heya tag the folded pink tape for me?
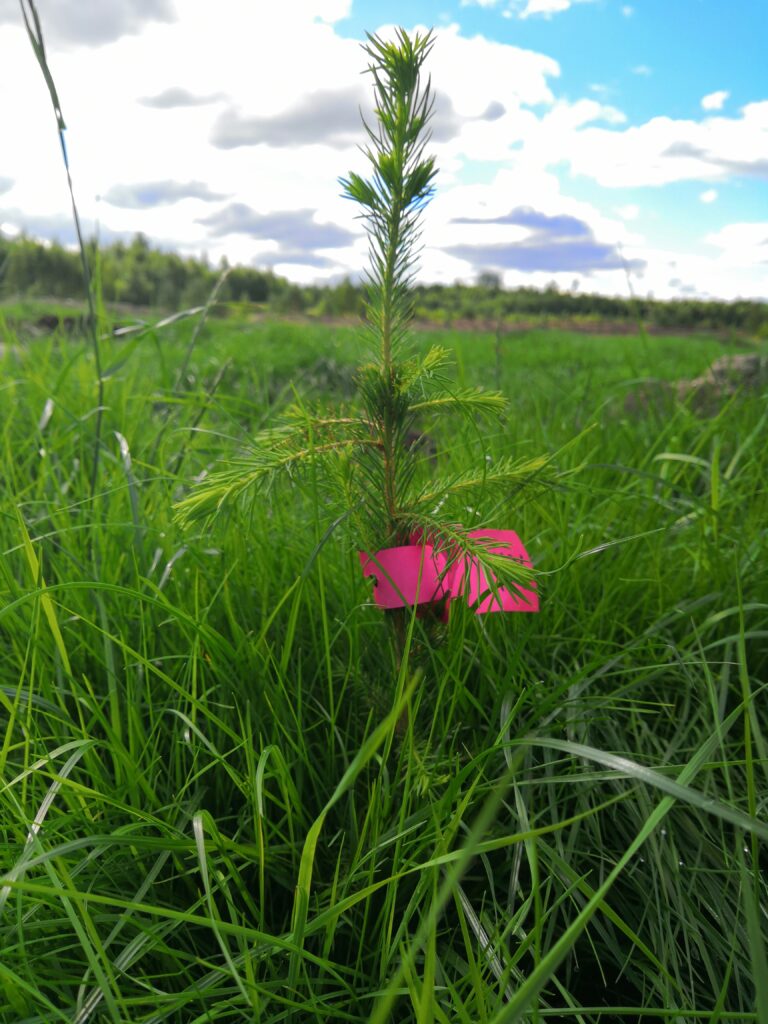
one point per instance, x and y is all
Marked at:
(417, 573)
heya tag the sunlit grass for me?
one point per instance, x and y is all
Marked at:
(212, 806)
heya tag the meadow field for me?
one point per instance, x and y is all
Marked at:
(224, 798)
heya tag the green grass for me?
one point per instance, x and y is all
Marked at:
(213, 806)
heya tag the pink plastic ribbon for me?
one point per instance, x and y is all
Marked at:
(417, 573)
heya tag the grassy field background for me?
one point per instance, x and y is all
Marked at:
(210, 806)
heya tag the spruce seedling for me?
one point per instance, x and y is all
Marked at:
(376, 475)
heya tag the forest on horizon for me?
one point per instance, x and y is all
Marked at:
(140, 274)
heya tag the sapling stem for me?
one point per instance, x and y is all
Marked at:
(372, 471)
(391, 200)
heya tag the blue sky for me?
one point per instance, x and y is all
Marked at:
(575, 138)
(649, 58)
(690, 46)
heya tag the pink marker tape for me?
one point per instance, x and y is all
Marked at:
(416, 574)
(408, 575)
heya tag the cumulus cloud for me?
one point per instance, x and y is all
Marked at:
(57, 227)
(714, 100)
(328, 11)
(293, 229)
(527, 8)
(743, 243)
(493, 111)
(329, 117)
(91, 22)
(289, 238)
(709, 195)
(753, 168)
(564, 256)
(447, 123)
(176, 96)
(332, 117)
(143, 195)
(681, 288)
(552, 243)
(665, 150)
(502, 126)
(545, 7)
(289, 258)
(490, 71)
(557, 225)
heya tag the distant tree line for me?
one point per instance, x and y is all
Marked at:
(448, 303)
(133, 273)
(138, 274)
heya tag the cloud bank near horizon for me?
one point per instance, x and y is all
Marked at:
(229, 144)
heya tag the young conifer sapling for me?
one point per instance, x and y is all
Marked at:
(375, 477)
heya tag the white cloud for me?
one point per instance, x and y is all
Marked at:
(708, 196)
(526, 8)
(714, 100)
(545, 7)
(744, 243)
(664, 150)
(525, 226)
(627, 11)
(91, 22)
(555, 135)
(329, 11)
(114, 140)
(737, 268)
(673, 273)
(144, 138)
(127, 149)
(491, 71)
(643, 70)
